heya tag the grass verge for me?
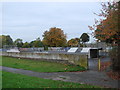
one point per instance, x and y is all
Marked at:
(38, 66)
(13, 80)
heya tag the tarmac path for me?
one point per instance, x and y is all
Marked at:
(90, 77)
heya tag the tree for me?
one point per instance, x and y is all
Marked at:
(26, 45)
(55, 37)
(36, 43)
(72, 42)
(84, 37)
(18, 42)
(5, 40)
(106, 29)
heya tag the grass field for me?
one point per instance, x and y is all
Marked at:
(37, 65)
(12, 80)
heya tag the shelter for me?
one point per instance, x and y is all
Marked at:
(91, 52)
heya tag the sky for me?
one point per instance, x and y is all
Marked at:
(29, 20)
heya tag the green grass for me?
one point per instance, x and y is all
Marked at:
(0, 80)
(13, 80)
(38, 66)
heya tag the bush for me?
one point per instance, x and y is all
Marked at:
(45, 47)
(114, 58)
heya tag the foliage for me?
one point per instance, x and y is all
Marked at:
(55, 37)
(106, 29)
(84, 37)
(18, 42)
(115, 60)
(38, 65)
(45, 47)
(5, 40)
(73, 42)
(13, 80)
(26, 45)
(36, 43)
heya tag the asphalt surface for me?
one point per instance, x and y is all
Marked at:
(91, 77)
(93, 63)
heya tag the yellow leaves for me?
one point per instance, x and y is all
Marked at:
(55, 37)
(73, 42)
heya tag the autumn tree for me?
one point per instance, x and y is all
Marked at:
(55, 37)
(106, 29)
(72, 42)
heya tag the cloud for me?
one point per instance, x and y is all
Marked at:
(29, 20)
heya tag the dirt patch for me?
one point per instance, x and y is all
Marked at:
(111, 74)
(114, 75)
(104, 65)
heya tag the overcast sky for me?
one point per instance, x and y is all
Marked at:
(29, 20)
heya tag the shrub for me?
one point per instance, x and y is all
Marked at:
(114, 58)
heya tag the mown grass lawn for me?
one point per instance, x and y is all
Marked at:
(37, 65)
(13, 80)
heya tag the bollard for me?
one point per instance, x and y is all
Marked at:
(99, 64)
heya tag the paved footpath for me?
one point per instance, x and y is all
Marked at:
(87, 77)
